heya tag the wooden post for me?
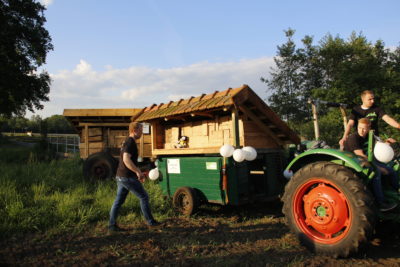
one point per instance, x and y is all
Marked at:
(315, 117)
(235, 128)
(344, 116)
(141, 146)
(86, 141)
(153, 134)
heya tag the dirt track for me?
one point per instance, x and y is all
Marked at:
(216, 236)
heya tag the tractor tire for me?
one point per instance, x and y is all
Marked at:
(185, 201)
(100, 166)
(329, 209)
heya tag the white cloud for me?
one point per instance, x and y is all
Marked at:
(46, 3)
(137, 87)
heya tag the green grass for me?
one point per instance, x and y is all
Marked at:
(51, 195)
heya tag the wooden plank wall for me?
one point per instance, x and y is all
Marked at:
(102, 138)
(215, 133)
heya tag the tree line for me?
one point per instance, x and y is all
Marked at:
(333, 70)
(52, 124)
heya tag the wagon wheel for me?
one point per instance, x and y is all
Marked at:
(185, 200)
(99, 166)
(329, 208)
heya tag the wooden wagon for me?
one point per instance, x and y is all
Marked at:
(196, 172)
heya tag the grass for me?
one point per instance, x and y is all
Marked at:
(42, 194)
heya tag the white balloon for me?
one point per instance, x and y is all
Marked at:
(383, 152)
(239, 155)
(288, 174)
(250, 153)
(154, 174)
(226, 151)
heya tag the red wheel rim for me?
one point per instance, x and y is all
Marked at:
(321, 211)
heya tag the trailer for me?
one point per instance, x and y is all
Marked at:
(101, 133)
(195, 172)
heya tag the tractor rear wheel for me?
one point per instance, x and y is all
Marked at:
(329, 208)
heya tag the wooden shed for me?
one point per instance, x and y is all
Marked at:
(105, 130)
(235, 116)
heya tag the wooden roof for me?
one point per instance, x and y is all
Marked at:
(101, 112)
(242, 98)
(104, 117)
(190, 105)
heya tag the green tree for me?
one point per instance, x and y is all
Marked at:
(335, 70)
(286, 83)
(58, 124)
(24, 44)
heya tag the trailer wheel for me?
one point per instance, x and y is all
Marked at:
(185, 200)
(100, 166)
(329, 208)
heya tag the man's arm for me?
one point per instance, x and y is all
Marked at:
(392, 122)
(360, 152)
(126, 157)
(346, 133)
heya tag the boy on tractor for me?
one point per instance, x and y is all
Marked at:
(355, 143)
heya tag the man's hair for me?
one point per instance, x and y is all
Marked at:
(364, 121)
(366, 92)
(134, 125)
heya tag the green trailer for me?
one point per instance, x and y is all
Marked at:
(191, 181)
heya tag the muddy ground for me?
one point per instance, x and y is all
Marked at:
(216, 236)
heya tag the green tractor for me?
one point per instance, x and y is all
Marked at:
(328, 202)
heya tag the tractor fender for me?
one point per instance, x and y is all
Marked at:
(337, 156)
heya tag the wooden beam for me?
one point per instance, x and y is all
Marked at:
(186, 151)
(315, 118)
(153, 135)
(180, 118)
(101, 112)
(141, 146)
(86, 141)
(260, 124)
(107, 124)
(235, 128)
(205, 114)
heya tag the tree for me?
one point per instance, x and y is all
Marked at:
(335, 70)
(24, 44)
(58, 124)
(289, 86)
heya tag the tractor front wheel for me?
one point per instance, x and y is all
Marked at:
(329, 208)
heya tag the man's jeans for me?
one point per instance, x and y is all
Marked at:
(135, 187)
(377, 181)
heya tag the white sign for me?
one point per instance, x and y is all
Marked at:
(173, 166)
(211, 165)
(146, 128)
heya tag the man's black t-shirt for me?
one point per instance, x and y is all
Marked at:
(129, 146)
(373, 114)
(355, 142)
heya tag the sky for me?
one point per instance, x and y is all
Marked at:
(133, 53)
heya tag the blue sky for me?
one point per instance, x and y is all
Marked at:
(125, 54)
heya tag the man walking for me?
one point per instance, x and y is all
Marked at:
(130, 178)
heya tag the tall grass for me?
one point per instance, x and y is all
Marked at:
(52, 195)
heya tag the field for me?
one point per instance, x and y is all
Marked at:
(49, 215)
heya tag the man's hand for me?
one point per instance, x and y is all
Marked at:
(341, 141)
(390, 141)
(142, 177)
